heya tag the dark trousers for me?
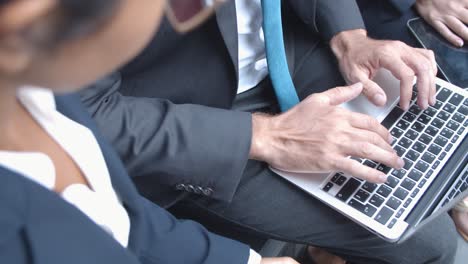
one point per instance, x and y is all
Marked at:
(269, 206)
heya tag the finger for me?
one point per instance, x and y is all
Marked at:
(405, 74)
(356, 169)
(365, 149)
(422, 67)
(447, 33)
(374, 138)
(283, 260)
(457, 27)
(373, 92)
(429, 54)
(370, 124)
(339, 95)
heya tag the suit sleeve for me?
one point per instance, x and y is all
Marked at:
(190, 144)
(329, 17)
(162, 233)
(402, 5)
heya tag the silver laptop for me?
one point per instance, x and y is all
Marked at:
(434, 146)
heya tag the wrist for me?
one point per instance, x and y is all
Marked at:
(260, 136)
(343, 41)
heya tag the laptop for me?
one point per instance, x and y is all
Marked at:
(433, 144)
(452, 61)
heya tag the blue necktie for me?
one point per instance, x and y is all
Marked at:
(276, 55)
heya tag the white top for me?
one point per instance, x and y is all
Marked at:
(253, 66)
(100, 203)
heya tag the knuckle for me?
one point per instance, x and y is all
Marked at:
(364, 149)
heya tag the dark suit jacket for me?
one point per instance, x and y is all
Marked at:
(167, 113)
(37, 226)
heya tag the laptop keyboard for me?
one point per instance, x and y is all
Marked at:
(424, 139)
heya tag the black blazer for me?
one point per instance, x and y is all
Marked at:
(167, 113)
(37, 226)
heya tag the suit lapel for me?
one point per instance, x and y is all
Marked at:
(227, 23)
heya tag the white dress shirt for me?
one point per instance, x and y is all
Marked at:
(100, 202)
(253, 66)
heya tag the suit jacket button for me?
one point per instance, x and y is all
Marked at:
(208, 191)
(180, 187)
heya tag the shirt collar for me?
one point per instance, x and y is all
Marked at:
(37, 99)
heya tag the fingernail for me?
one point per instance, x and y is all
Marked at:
(401, 163)
(379, 99)
(434, 99)
(460, 43)
(424, 105)
(390, 139)
(404, 106)
(382, 178)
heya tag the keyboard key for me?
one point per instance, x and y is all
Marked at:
(407, 202)
(463, 110)
(392, 223)
(368, 209)
(393, 203)
(441, 141)
(461, 130)
(405, 142)
(369, 164)
(412, 155)
(335, 177)
(414, 193)
(458, 117)
(419, 147)
(369, 186)
(411, 134)
(415, 175)
(430, 112)
(327, 187)
(384, 190)
(409, 117)
(434, 149)
(442, 155)
(443, 94)
(408, 164)
(455, 139)
(449, 108)
(401, 193)
(408, 184)
(392, 117)
(422, 183)
(435, 165)
(421, 166)
(392, 181)
(399, 173)
(399, 150)
(447, 133)
(342, 179)
(465, 102)
(425, 138)
(443, 115)
(383, 215)
(456, 99)
(400, 212)
(383, 168)
(415, 110)
(424, 119)
(376, 200)
(453, 125)
(428, 157)
(429, 174)
(449, 147)
(418, 126)
(437, 123)
(348, 189)
(362, 195)
(396, 132)
(402, 124)
(437, 105)
(432, 131)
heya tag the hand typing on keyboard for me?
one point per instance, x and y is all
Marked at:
(360, 57)
(318, 135)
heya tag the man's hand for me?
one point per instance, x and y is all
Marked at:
(317, 135)
(449, 17)
(284, 260)
(360, 57)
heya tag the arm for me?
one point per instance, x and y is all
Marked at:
(187, 144)
(329, 17)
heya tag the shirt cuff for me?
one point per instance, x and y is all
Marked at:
(254, 257)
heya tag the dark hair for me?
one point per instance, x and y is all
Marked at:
(77, 17)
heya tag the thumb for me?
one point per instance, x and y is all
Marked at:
(374, 93)
(343, 94)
